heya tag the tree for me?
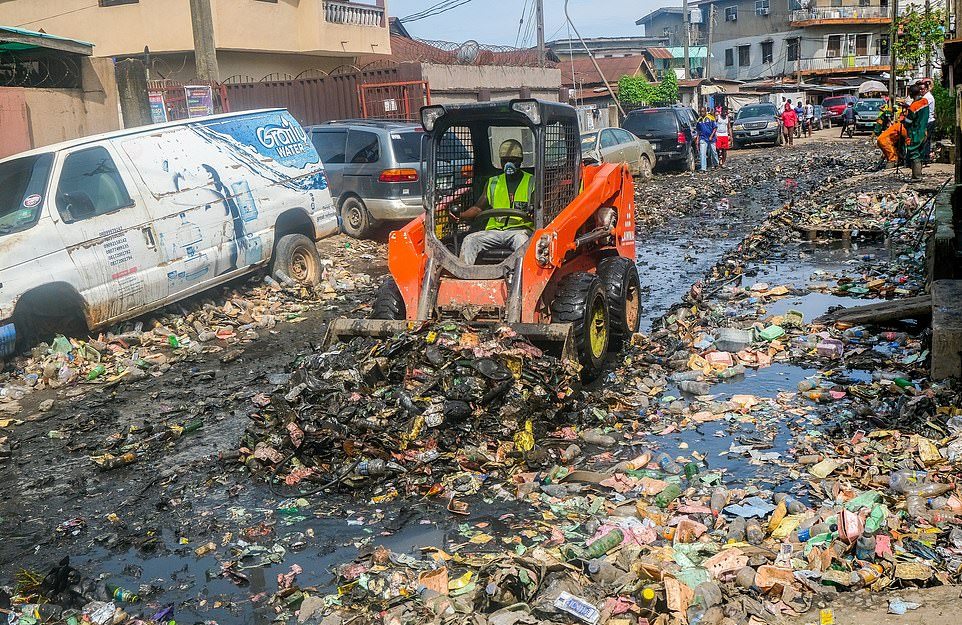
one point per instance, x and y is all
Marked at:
(637, 90)
(918, 37)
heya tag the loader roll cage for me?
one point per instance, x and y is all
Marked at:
(462, 156)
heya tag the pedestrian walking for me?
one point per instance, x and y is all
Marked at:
(799, 115)
(930, 128)
(723, 136)
(707, 130)
(809, 119)
(915, 124)
(789, 121)
(848, 120)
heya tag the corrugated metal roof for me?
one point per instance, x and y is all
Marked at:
(582, 71)
(12, 39)
(659, 53)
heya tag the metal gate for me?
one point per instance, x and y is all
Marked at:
(393, 100)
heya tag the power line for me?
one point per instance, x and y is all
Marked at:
(50, 17)
(517, 38)
(434, 10)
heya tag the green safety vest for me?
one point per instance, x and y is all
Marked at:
(499, 198)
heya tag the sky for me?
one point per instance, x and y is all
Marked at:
(496, 21)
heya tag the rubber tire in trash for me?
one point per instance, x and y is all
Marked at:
(356, 221)
(580, 300)
(623, 291)
(388, 303)
(296, 256)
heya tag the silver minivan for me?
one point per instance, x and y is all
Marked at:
(107, 227)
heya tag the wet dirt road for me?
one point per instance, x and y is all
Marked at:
(144, 524)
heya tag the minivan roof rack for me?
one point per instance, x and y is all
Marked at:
(379, 123)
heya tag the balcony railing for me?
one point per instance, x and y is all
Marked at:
(353, 14)
(841, 13)
(842, 63)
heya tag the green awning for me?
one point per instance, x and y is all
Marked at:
(17, 40)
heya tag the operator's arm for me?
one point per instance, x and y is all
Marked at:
(474, 211)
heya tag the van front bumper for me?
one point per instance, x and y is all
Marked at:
(8, 339)
(747, 136)
(394, 210)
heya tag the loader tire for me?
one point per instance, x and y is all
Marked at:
(623, 291)
(580, 300)
(388, 303)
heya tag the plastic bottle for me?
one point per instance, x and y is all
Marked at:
(667, 464)
(570, 453)
(732, 372)
(668, 495)
(865, 548)
(736, 531)
(910, 482)
(719, 499)
(604, 544)
(604, 572)
(596, 437)
(123, 595)
(377, 468)
(792, 505)
(695, 388)
(687, 376)
(753, 532)
(691, 470)
(648, 600)
(118, 461)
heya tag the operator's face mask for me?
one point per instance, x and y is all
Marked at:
(512, 167)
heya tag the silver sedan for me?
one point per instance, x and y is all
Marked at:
(614, 145)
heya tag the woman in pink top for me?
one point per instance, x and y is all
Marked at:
(789, 121)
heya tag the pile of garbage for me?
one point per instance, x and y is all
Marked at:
(863, 212)
(436, 395)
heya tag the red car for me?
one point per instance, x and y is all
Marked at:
(835, 105)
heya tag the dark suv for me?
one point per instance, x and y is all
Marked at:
(669, 130)
(374, 169)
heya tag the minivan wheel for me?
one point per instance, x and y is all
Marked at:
(356, 221)
(295, 255)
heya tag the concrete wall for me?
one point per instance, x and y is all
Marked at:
(245, 66)
(287, 26)
(471, 83)
(748, 24)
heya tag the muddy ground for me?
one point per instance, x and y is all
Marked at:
(142, 523)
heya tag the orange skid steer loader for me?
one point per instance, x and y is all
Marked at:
(573, 284)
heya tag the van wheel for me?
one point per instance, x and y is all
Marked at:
(580, 301)
(619, 276)
(35, 325)
(295, 255)
(388, 303)
(355, 220)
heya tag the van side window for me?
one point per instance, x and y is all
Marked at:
(330, 145)
(90, 185)
(363, 147)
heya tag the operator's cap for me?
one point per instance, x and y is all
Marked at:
(511, 149)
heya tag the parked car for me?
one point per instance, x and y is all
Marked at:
(669, 130)
(374, 169)
(836, 105)
(615, 145)
(102, 229)
(866, 112)
(756, 123)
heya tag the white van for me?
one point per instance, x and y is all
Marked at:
(108, 227)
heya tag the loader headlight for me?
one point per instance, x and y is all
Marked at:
(529, 108)
(430, 115)
(543, 249)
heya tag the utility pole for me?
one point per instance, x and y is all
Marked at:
(928, 48)
(539, 19)
(205, 50)
(711, 29)
(893, 61)
(687, 34)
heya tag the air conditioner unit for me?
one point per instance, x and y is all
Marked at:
(763, 11)
(731, 18)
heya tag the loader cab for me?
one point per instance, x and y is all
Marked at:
(462, 156)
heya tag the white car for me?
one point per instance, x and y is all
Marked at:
(111, 226)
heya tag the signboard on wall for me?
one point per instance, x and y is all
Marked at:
(158, 107)
(200, 101)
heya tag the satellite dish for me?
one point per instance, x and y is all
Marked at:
(468, 51)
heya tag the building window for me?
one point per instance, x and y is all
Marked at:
(113, 3)
(834, 49)
(882, 45)
(766, 52)
(731, 14)
(861, 45)
(762, 7)
(864, 3)
(729, 57)
(744, 56)
(792, 50)
(794, 5)
(836, 3)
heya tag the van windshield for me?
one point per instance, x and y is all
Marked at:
(22, 184)
(407, 146)
(651, 122)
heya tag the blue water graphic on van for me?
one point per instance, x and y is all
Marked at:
(275, 135)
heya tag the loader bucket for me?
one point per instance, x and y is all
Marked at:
(553, 338)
